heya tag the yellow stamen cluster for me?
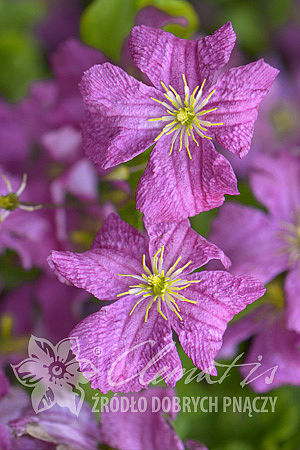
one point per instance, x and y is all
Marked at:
(184, 116)
(159, 286)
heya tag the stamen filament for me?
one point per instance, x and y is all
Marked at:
(159, 286)
(184, 115)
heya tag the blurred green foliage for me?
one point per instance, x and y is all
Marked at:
(20, 54)
(115, 19)
(11, 272)
(105, 24)
(253, 20)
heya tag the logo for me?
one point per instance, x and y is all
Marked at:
(53, 373)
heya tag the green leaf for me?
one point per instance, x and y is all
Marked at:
(105, 24)
(20, 15)
(176, 8)
(23, 64)
(249, 25)
(12, 273)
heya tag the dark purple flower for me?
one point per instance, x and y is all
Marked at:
(61, 22)
(129, 343)
(191, 444)
(152, 17)
(68, 63)
(14, 137)
(191, 102)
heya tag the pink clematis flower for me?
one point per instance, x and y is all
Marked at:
(126, 345)
(274, 349)
(192, 100)
(265, 245)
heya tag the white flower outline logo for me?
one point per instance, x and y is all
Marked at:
(53, 373)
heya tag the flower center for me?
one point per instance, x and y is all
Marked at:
(9, 202)
(158, 286)
(291, 235)
(185, 115)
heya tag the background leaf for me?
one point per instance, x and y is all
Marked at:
(105, 24)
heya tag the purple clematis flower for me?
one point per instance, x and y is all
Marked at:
(61, 22)
(277, 349)
(265, 245)
(191, 101)
(129, 343)
(274, 348)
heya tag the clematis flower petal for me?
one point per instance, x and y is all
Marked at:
(174, 187)
(238, 94)
(219, 297)
(125, 352)
(243, 329)
(178, 238)
(118, 107)
(164, 57)
(275, 181)
(116, 234)
(141, 430)
(117, 249)
(251, 239)
(97, 271)
(277, 350)
(292, 289)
